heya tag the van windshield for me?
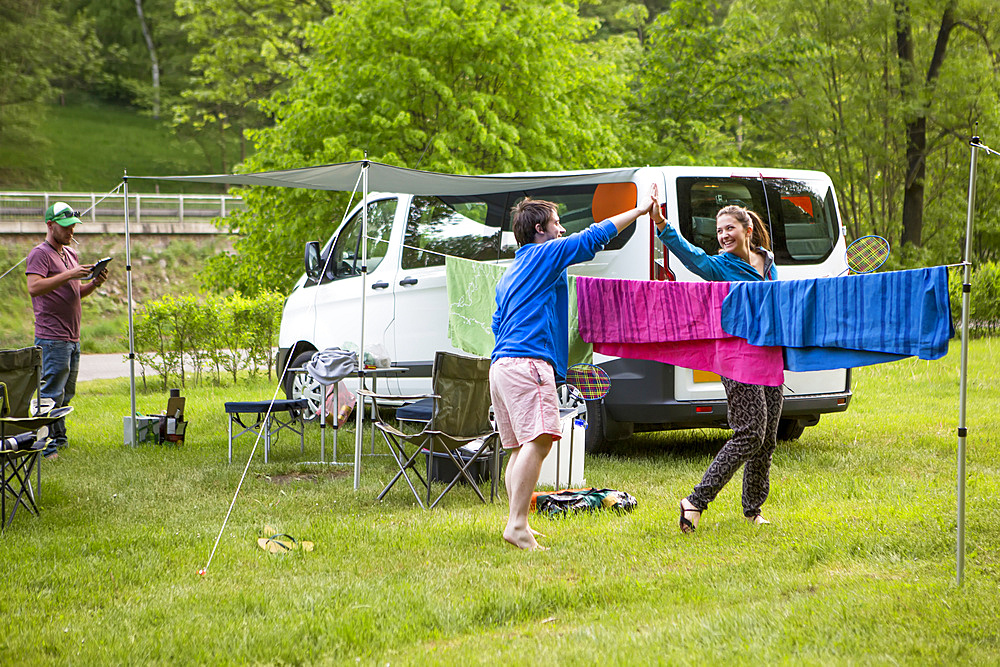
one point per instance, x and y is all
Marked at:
(800, 214)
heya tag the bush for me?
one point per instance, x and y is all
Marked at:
(984, 301)
(230, 334)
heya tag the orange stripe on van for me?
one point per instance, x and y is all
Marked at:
(705, 376)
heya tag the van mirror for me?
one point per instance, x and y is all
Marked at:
(313, 264)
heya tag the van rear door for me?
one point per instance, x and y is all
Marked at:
(808, 242)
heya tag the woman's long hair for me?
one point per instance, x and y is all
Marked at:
(759, 238)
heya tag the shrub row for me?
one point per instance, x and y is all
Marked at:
(221, 334)
(984, 302)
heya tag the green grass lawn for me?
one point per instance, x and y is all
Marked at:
(858, 566)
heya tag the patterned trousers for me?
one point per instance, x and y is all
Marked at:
(754, 411)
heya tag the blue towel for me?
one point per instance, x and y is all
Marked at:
(827, 323)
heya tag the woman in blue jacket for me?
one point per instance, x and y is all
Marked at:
(754, 410)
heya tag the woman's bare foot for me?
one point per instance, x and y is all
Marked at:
(535, 532)
(758, 520)
(690, 516)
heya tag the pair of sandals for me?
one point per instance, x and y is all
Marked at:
(688, 526)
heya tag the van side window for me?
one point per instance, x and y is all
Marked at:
(436, 227)
(699, 199)
(579, 207)
(808, 227)
(346, 257)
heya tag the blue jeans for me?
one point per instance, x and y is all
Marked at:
(60, 365)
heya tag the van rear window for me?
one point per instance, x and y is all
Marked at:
(800, 214)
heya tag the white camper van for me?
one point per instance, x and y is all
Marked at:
(406, 309)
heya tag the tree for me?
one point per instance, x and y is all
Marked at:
(892, 129)
(154, 61)
(700, 85)
(144, 54)
(247, 49)
(30, 68)
(468, 86)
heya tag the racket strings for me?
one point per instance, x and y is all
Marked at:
(591, 381)
(867, 254)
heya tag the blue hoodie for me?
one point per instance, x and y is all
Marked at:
(532, 315)
(724, 267)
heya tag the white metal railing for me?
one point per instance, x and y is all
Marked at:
(30, 206)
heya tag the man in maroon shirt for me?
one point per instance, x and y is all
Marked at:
(54, 275)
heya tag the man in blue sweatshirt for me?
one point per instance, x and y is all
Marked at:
(531, 327)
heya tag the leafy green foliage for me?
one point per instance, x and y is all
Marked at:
(469, 86)
(246, 50)
(706, 76)
(850, 104)
(984, 299)
(125, 72)
(37, 50)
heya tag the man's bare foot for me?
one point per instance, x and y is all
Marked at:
(522, 540)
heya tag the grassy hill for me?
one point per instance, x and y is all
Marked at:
(160, 265)
(88, 145)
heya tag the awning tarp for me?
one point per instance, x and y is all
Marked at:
(386, 178)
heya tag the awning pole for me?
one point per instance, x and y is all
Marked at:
(360, 407)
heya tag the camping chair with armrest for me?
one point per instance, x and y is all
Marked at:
(23, 423)
(461, 417)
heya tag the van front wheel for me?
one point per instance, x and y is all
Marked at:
(302, 385)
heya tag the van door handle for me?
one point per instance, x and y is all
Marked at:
(380, 285)
(408, 281)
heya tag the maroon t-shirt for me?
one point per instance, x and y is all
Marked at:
(57, 314)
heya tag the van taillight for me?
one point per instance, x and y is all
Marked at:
(703, 408)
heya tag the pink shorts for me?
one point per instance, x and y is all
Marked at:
(524, 400)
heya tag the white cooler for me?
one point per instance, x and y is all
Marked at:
(563, 467)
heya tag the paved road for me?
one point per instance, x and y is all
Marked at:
(103, 366)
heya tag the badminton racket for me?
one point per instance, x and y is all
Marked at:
(591, 381)
(866, 254)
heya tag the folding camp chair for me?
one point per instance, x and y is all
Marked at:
(21, 425)
(460, 419)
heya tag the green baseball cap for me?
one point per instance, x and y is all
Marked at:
(62, 213)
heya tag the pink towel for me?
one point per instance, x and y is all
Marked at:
(675, 323)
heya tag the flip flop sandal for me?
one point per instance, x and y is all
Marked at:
(281, 542)
(686, 525)
(277, 544)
